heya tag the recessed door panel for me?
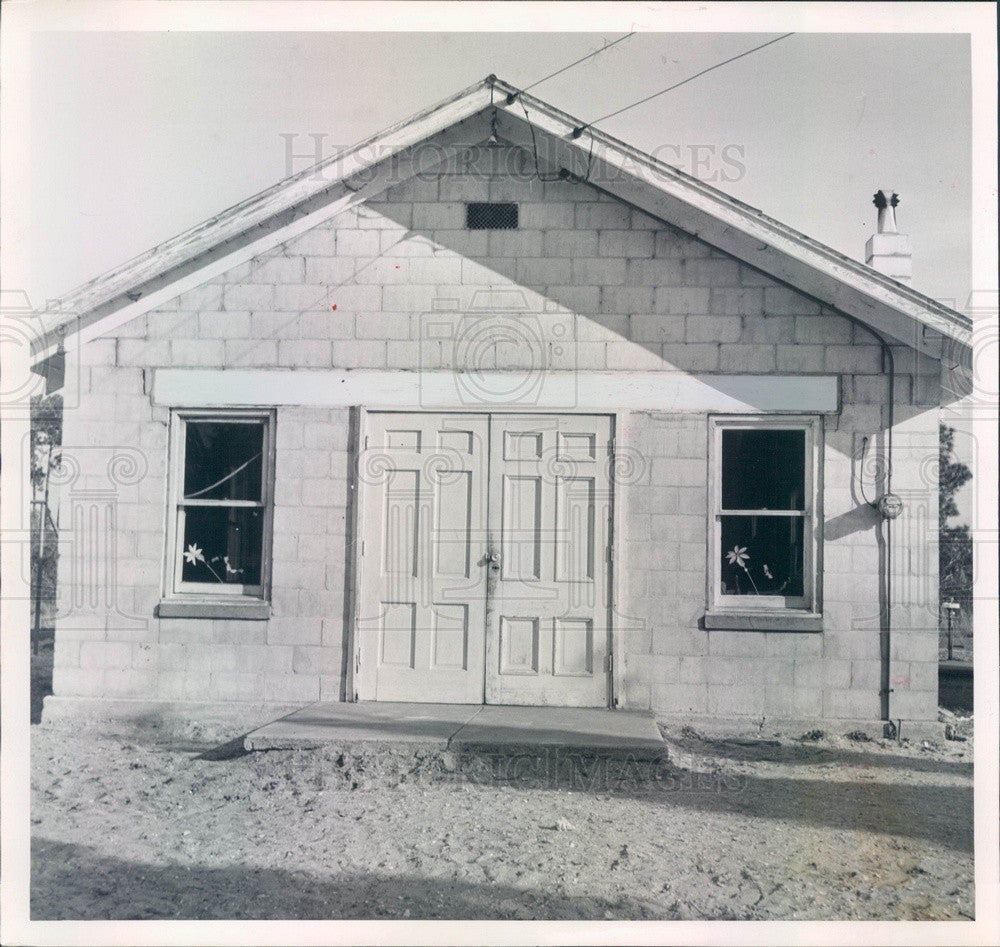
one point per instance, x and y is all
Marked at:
(450, 647)
(573, 647)
(521, 530)
(398, 634)
(518, 645)
(576, 510)
(401, 507)
(452, 541)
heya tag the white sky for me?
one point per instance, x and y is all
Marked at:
(137, 136)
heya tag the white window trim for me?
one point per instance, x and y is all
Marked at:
(768, 612)
(218, 600)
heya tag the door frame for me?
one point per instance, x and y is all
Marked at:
(355, 567)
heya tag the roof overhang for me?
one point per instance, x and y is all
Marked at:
(300, 202)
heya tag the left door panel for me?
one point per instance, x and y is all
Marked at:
(421, 608)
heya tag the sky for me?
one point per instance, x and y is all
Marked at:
(136, 136)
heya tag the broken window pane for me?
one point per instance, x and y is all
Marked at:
(222, 544)
(223, 460)
(762, 555)
(763, 469)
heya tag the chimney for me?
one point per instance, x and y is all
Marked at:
(888, 251)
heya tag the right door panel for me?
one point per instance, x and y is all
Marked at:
(548, 602)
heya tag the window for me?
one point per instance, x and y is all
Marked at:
(220, 512)
(485, 216)
(763, 524)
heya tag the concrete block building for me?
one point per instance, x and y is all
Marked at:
(495, 408)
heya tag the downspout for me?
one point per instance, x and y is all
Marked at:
(889, 507)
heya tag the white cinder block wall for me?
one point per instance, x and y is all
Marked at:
(608, 288)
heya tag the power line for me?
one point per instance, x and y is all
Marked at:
(578, 61)
(677, 85)
(512, 97)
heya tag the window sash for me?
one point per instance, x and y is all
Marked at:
(175, 586)
(809, 600)
(211, 588)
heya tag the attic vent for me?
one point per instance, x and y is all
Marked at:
(491, 216)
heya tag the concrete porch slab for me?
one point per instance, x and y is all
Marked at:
(471, 727)
(323, 723)
(570, 728)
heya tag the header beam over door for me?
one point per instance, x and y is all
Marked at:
(523, 390)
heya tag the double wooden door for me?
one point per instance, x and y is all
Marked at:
(485, 566)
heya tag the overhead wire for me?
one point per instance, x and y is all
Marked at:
(577, 131)
(513, 97)
(589, 55)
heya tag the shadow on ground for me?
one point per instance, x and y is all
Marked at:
(805, 755)
(941, 814)
(90, 886)
(918, 812)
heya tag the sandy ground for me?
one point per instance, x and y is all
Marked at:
(782, 828)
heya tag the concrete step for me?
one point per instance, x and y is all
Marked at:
(467, 729)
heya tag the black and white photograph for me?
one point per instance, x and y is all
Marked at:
(485, 473)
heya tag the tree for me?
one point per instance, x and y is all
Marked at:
(46, 438)
(954, 542)
(952, 475)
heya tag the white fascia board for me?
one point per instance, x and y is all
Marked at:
(492, 391)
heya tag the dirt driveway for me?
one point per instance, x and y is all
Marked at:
(781, 829)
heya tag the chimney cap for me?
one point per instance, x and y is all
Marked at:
(886, 210)
(881, 201)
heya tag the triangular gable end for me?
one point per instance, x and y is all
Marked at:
(580, 154)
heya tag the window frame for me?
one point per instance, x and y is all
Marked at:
(767, 612)
(177, 591)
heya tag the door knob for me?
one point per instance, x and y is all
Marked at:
(494, 560)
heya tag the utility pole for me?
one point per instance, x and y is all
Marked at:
(951, 606)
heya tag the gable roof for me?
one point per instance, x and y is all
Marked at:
(582, 154)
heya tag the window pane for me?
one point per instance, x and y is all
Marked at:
(223, 460)
(762, 555)
(763, 469)
(222, 544)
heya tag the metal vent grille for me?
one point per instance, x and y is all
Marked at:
(489, 216)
